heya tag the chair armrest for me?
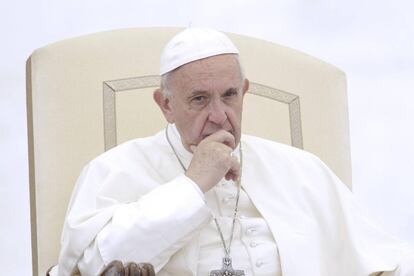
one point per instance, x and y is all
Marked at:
(116, 268)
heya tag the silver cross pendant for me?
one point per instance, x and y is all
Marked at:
(227, 269)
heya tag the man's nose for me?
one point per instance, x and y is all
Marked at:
(217, 113)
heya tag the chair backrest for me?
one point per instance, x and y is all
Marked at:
(87, 94)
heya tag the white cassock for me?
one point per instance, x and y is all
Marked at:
(134, 203)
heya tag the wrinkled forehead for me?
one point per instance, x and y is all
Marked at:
(220, 70)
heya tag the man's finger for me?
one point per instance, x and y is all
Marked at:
(223, 137)
(234, 172)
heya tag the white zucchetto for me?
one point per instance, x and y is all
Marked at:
(194, 44)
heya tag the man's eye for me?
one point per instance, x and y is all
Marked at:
(230, 94)
(198, 99)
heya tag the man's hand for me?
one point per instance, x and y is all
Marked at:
(212, 160)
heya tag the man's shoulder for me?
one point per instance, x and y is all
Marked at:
(132, 150)
(285, 156)
(291, 162)
(262, 145)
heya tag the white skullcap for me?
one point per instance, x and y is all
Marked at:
(194, 44)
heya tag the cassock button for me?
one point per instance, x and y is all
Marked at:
(227, 199)
(259, 263)
(251, 231)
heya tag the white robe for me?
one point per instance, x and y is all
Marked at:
(133, 203)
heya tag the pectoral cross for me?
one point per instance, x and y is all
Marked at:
(227, 269)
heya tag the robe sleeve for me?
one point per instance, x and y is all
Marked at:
(150, 229)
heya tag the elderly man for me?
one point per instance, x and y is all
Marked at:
(200, 198)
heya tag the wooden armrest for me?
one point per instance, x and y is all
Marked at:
(116, 268)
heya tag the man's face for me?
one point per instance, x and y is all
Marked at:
(205, 96)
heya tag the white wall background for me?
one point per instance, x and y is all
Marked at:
(372, 41)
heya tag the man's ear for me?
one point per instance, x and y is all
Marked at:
(164, 104)
(246, 84)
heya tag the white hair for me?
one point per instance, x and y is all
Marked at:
(165, 79)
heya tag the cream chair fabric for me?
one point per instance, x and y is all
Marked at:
(87, 94)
